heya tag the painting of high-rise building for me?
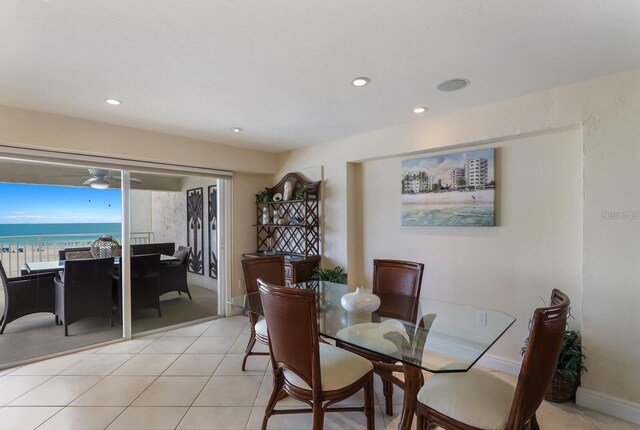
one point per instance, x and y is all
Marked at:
(476, 172)
(416, 182)
(453, 190)
(457, 178)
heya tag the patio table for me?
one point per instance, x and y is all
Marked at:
(55, 265)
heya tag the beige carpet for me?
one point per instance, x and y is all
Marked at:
(37, 335)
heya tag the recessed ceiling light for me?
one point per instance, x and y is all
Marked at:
(236, 129)
(360, 82)
(113, 102)
(420, 110)
(453, 84)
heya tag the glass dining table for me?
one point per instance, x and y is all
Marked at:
(420, 334)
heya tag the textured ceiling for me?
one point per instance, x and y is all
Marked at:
(281, 70)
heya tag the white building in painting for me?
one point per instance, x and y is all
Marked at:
(417, 182)
(476, 172)
(456, 175)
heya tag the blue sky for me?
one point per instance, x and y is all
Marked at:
(440, 166)
(43, 204)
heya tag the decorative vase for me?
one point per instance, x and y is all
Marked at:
(104, 247)
(276, 216)
(265, 216)
(287, 191)
(360, 301)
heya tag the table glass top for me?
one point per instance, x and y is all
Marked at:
(38, 266)
(434, 335)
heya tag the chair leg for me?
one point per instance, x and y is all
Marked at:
(159, 312)
(368, 404)
(534, 423)
(57, 320)
(66, 329)
(179, 293)
(420, 422)
(247, 351)
(4, 324)
(278, 382)
(189, 294)
(318, 416)
(387, 390)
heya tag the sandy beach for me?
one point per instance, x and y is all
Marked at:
(450, 197)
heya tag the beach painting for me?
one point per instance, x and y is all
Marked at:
(449, 190)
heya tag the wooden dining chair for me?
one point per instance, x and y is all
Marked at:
(269, 269)
(479, 400)
(393, 282)
(318, 374)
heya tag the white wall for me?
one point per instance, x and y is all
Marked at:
(536, 245)
(606, 111)
(169, 223)
(140, 209)
(244, 189)
(39, 130)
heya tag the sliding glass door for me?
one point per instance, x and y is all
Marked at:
(55, 224)
(174, 249)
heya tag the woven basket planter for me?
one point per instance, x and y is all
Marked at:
(561, 389)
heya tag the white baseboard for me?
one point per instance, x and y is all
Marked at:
(609, 405)
(501, 364)
(604, 403)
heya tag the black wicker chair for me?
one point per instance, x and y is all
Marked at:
(75, 253)
(173, 276)
(145, 282)
(26, 295)
(85, 290)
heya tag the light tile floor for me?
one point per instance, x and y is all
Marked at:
(189, 378)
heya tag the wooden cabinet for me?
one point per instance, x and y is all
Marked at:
(300, 270)
(292, 227)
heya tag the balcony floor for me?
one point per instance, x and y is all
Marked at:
(37, 335)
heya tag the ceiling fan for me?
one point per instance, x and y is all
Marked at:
(101, 179)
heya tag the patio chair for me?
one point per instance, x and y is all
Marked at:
(75, 253)
(479, 400)
(26, 295)
(84, 290)
(145, 282)
(173, 276)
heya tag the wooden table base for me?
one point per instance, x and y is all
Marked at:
(413, 382)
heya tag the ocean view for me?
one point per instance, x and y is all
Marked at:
(63, 231)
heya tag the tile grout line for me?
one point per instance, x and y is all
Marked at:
(152, 382)
(209, 380)
(102, 379)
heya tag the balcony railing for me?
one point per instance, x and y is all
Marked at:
(16, 251)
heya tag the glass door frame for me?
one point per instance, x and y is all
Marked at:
(225, 183)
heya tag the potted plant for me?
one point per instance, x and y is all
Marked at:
(336, 275)
(569, 369)
(264, 196)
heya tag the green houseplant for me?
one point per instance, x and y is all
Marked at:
(264, 196)
(568, 370)
(336, 275)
